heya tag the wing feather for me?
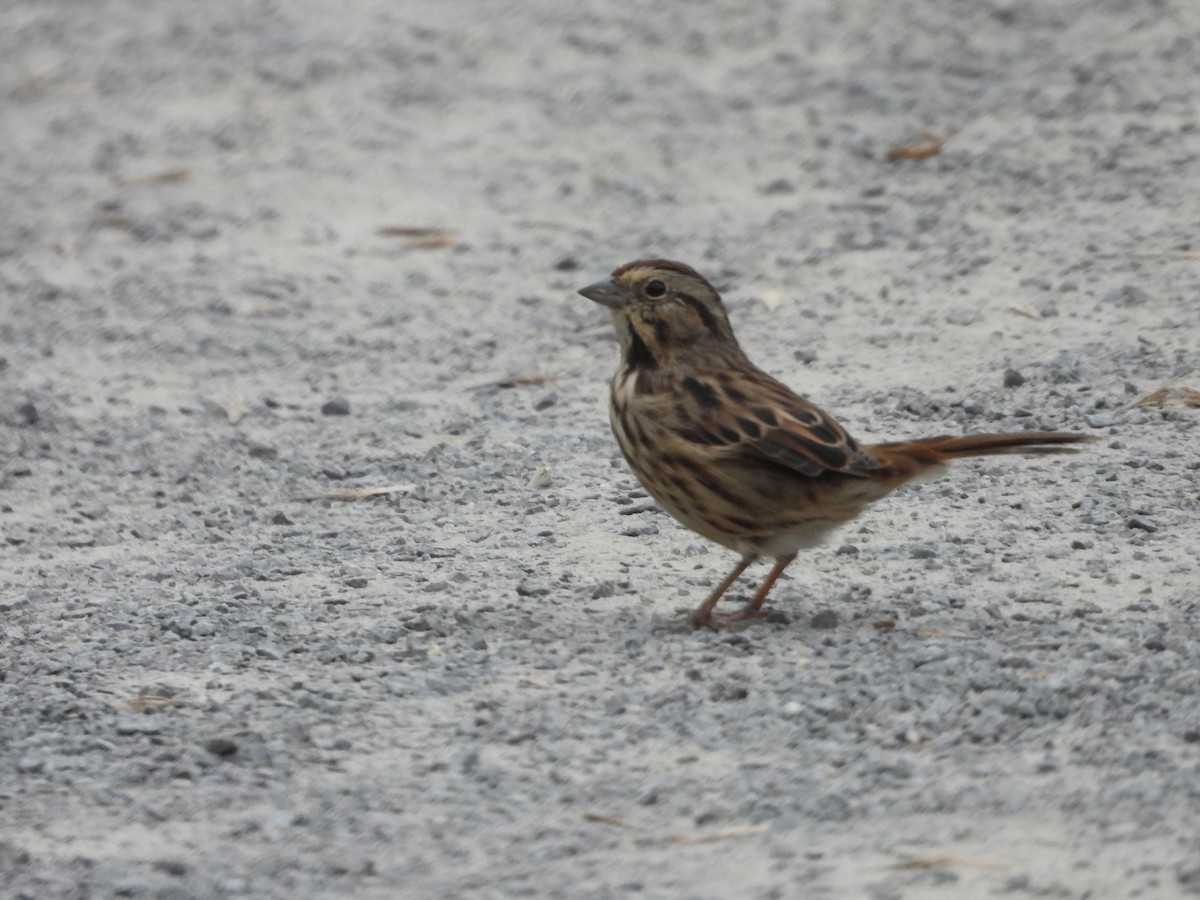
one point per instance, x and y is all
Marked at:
(750, 412)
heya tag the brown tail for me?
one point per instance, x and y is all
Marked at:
(936, 450)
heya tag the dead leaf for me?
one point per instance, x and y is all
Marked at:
(234, 410)
(419, 238)
(937, 860)
(531, 379)
(1024, 311)
(884, 624)
(407, 232)
(434, 243)
(358, 493)
(711, 837)
(925, 631)
(1170, 396)
(167, 176)
(116, 221)
(1169, 254)
(143, 702)
(931, 145)
(610, 820)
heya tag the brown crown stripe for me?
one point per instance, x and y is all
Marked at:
(666, 265)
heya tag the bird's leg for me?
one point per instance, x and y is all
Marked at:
(753, 609)
(703, 614)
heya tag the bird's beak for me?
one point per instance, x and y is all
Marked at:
(607, 293)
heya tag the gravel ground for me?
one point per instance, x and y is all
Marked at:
(473, 685)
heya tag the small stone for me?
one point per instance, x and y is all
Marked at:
(532, 589)
(1100, 420)
(634, 509)
(266, 651)
(358, 581)
(432, 587)
(1140, 524)
(923, 553)
(546, 401)
(825, 619)
(10, 603)
(567, 264)
(1013, 378)
(1127, 296)
(847, 550)
(640, 530)
(779, 186)
(281, 519)
(138, 725)
(1155, 645)
(30, 765)
(963, 316)
(1082, 544)
(603, 589)
(335, 407)
(176, 867)
(221, 746)
(259, 450)
(27, 415)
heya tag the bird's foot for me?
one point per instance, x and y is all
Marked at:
(735, 621)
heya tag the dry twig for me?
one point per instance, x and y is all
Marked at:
(358, 493)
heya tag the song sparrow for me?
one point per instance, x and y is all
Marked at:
(734, 454)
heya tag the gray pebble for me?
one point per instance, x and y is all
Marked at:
(825, 619)
(30, 765)
(640, 530)
(963, 315)
(1013, 378)
(27, 415)
(335, 407)
(221, 746)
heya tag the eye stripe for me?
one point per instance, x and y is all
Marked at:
(706, 316)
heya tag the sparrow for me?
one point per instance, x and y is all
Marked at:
(734, 454)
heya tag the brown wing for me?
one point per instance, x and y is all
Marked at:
(748, 411)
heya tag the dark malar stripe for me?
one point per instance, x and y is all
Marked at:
(640, 356)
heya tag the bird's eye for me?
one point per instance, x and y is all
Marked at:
(655, 289)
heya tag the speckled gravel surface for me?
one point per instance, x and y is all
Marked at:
(474, 684)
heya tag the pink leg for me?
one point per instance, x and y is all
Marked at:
(753, 609)
(703, 614)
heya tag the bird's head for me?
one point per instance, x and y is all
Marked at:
(661, 309)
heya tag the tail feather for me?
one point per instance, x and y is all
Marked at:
(935, 450)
